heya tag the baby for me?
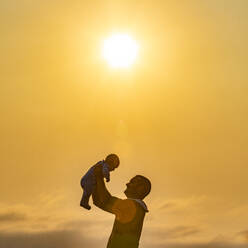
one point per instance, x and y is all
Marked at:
(88, 181)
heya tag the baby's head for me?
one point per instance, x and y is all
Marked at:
(113, 161)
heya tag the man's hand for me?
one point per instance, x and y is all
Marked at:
(98, 171)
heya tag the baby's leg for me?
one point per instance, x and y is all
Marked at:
(85, 200)
(88, 189)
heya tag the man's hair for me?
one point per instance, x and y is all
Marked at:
(147, 186)
(112, 158)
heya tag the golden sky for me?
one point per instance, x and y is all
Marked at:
(177, 116)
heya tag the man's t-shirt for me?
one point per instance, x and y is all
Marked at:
(129, 217)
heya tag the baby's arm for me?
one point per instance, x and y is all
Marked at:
(105, 172)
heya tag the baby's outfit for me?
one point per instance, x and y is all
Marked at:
(88, 182)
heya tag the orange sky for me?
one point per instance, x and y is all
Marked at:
(178, 116)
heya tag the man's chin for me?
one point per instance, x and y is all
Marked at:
(126, 192)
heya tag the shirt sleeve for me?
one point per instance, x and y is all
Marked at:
(124, 210)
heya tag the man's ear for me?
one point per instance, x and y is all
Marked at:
(141, 189)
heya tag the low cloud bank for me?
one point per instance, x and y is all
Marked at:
(52, 239)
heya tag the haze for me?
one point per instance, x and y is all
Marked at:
(177, 116)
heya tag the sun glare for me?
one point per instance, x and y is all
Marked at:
(120, 50)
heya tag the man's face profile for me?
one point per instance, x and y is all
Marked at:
(134, 187)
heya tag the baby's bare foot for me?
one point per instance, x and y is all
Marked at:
(85, 205)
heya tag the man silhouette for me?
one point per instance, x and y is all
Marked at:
(129, 213)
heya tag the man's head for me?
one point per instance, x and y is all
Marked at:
(113, 161)
(138, 187)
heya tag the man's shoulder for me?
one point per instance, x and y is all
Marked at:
(140, 203)
(124, 205)
(127, 210)
(117, 204)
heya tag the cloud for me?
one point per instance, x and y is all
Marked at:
(77, 224)
(175, 223)
(182, 231)
(239, 210)
(163, 234)
(42, 218)
(182, 204)
(51, 239)
(77, 239)
(31, 228)
(12, 217)
(186, 237)
(199, 245)
(244, 235)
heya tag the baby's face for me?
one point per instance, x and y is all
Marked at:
(112, 164)
(112, 167)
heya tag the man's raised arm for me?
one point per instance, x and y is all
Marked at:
(101, 197)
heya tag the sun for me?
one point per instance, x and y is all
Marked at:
(120, 50)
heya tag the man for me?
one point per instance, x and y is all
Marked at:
(129, 213)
